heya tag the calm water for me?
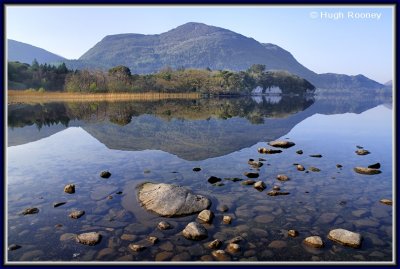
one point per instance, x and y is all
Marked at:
(51, 145)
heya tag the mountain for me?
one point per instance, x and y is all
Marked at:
(389, 83)
(25, 53)
(197, 45)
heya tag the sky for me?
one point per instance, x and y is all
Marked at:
(342, 39)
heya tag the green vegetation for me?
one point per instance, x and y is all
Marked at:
(34, 77)
(119, 79)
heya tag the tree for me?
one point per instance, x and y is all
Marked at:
(256, 68)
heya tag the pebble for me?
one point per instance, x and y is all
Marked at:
(136, 247)
(105, 174)
(282, 177)
(163, 256)
(90, 239)
(70, 188)
(57, 204)
(314, 241)
(362, 152)
(293, 233)
(128, 237)
(13, 247)
(163, 225)
(300, 167)
(277, 244)
(205, 216)
(31, 210)
(76, 214)
(167, 246)
(184, 256)
(259, 185)
(227, 219)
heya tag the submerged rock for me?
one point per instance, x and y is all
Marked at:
(163, 225)
(314, 169)
(70, 188)
(196, 169)
(223, 208)
(282, 177)
(366, 171)
(220, 255)
(248, 182)
(31, 210)
(299, 152)
(276, 193)
(205, 216)
(293, 233)
(339, 166)
(105, 174)
(13, 247)
(276, 188)
(375, 166)
(362, 152)
(76, 214)
(251, 174)
(170, 200)
(90, 239)
(194, 231)
(313, 241)
(316, 155)
(281, 144)
(57, 204)
(234, 179)
(213, 179)
(268, 151)
(345, 237)
(386, 201)
(260, 186)
(136, 247)
(255, 164)
(152, 239)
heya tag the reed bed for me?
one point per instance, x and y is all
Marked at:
(46, 97)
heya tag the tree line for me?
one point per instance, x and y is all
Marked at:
(167, 80)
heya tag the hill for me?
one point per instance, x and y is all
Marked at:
(25, 53)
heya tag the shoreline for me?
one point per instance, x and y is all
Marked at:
(14, 96)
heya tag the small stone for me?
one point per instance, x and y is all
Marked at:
(213, 179)
(282, 177)
(119, 192)
(109, 197)
(299, 152)
(136, 247)
(196, 169)
(218, 184)
(276, 188)
(314, 241)
(57, 204)
(316, 155)
(163, 225)
(194, 231)
(339, 166)
(234, 179)
(259, 185)
(362, 152)
(314, 169)
(386, 201)
(70, 188)
(232, 248)
(248, 182)
(281, 144)
(367, 171)
(128, 237)
(261, 159)
(345, 237)
(76, 214)
(223, 208)
(90, 239)
(268, 151)
(277, 244)
(375, 166)
(293, 233)
(251, 174)
(13, 247)
(220, 255)
(105, 174)
(214, 244)
(152, 239)
(300, 167)
(227, 219)
(255, 164)
(276, 193)
(205, 216)
(31, 210)
(359, 147)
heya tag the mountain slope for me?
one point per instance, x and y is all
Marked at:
(25, 53)
(197, 45)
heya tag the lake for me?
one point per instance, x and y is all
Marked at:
(55, 144)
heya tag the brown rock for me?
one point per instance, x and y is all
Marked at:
(227, 219)
(164, 256)
(76, 214)
(362, 152)
(152, 239)
(163, 225)
(205, 216)
(281, 144)
(232, 248)
(259, 185)
(128, 237)
(345, 237)
(386, 201)
(136, 247)
(70, 188)
(214, 244)
(31, 210)
(268, 151)
(367, 171)
(220, 255)
(277, 244)
(300, 167)
(293, 233)
(90, 239)
(248, 182)
(282, 177)
(314, 241)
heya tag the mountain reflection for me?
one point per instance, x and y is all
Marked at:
(191, 129)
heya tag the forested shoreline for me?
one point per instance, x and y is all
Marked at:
(120, 79)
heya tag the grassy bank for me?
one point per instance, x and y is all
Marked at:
(45, 97)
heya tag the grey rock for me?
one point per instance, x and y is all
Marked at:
(13, 247)
(170, 200)
(194, 231)
(345, 237)
(90, 239)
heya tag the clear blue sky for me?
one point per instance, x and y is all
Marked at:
(345, 45)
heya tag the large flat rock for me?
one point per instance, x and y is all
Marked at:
(345, 237)
(170, 200)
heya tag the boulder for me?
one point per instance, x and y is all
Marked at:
(170, 200)
(194, 231)
(366, 171)
(90, 239)
(281, 144)
(345, 237)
